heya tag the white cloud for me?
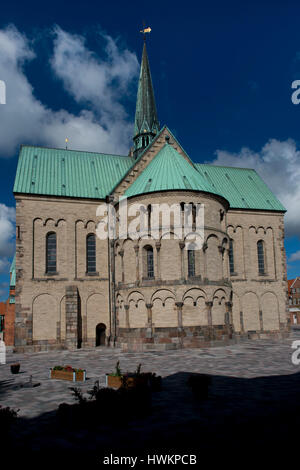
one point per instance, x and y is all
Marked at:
(7, 232)
(7, 245)
(278, 163)
(7, 241)
(295, 256)
(87, 78)
(98, 84)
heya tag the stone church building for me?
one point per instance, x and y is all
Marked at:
(74, 289)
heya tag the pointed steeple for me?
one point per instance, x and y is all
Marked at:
(146, 124)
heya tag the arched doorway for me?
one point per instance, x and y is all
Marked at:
(100, 334)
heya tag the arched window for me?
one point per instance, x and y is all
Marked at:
(182, 214)
(231, 257)
(191, 262)
(194, 214)
(261, 257)
(149, 262)
(91, 253)
(51, 252)
(190, 214)
(149, 217)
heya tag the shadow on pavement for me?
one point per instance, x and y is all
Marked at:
(258, 417)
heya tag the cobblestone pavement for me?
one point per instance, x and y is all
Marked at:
(247, 360)
(250, 378)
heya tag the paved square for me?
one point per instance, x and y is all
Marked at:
(248, 379)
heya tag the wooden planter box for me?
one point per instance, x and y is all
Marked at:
(66, 375)
(113, 381)
(116, 381)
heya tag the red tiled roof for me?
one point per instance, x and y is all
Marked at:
(291, 283)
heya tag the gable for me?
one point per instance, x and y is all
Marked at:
(146, 157)
(168, 170)
(293, 284)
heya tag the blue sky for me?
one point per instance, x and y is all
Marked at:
(222, 75)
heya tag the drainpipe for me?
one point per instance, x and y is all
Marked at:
(109, 276)
(111, 279)
(113, 286)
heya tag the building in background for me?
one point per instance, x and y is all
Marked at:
(7, 310)
(294, 300)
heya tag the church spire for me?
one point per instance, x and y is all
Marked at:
(146, 123)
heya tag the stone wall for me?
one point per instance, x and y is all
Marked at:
(260, 302)
(41, 299)
(62, 310)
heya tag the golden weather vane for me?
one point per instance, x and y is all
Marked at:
(145, 31)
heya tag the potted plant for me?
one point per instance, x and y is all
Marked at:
(114, 379)
(136, 379)
(15, 368)
(67, 373)
(129, 380)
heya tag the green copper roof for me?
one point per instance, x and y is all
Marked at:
(72, 173)
(169, 170)
(13, 273)
(242, 187)
(59, 172)
(145, 114)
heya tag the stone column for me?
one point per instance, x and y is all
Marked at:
(226, 264)
(229, 319)
(179, 306)
(137, 264)
(72, 314)
(261, 321)
(204, 248)
(242, 323)
(149, 326)
(84, 329)
(121, 253)
(117, 320)
(127, 316)
(209, 320)
(149, 314)
(222, 250)
(158, 247)
(181, 246)
(58, 332)
(209, 316)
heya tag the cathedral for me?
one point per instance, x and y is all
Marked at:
(74, 289)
